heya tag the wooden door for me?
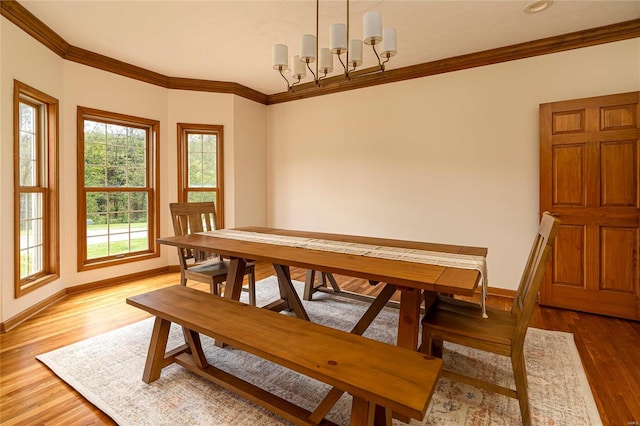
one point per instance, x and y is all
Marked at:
(590, 179)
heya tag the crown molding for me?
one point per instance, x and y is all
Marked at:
(595, 36)
(25, 20)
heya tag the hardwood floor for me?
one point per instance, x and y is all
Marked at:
(31, 395)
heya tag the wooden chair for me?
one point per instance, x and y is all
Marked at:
(323, 278)
(201, 266)
(503, 333)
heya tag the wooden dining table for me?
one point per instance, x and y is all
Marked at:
(413, 280)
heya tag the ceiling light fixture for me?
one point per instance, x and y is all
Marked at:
(538, 6)
(373, 35)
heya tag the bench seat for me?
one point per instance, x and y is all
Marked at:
(381, 377)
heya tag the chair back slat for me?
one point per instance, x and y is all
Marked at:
(533, 274)
(189, 218)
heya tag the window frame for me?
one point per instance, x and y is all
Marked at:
(47, 183)
(185, 129)
(152, 188)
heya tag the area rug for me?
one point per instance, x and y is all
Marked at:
(107, 371)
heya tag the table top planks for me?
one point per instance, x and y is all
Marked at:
(401, 273)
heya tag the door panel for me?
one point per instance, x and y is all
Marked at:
(617, 249)
(569, 246)
(568, 175)
(589, 177)
(618, 173)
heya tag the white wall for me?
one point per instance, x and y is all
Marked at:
(451, 158)
(24, 59)
(250, 159)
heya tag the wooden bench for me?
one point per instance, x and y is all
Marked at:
(381, 378)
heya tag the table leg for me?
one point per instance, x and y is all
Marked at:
(409, 317)
(374, 309)
(288, 292)
(235, 275)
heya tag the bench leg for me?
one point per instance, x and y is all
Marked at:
(364, 412)
(193, 340)
(157, 349)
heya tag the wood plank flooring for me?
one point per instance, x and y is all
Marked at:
(30, 394)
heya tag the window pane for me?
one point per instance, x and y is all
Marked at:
(31, 234)
(95, 154)
(27, 172)
(195, 169)
(27, 118)
(94, 132)
(94, 176)
(209, 143)
(138, 202)
(209, 171)
(97, 246)
(116, 155)
(116, 176)
(201, 196)
(28, 146)
(137, 177)
(116, 134)
(96, 202)
(137, 152)
(194, 142)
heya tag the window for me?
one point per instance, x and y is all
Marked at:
(36, 224)
(200, 165)
(118, 213)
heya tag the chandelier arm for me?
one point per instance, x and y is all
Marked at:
(297, 82)
(346, 72)
(315, 80)
(285, 78)
(377, 56)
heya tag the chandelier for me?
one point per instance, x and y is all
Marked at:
(373, 35)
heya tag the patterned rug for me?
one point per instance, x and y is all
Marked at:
(107, 371)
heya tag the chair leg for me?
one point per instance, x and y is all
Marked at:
(252, 287)
(429, 345)
(520, 376)
(214, 287)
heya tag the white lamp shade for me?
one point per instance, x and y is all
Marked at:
(338, 38)
(326, 60)
(372, 27)
(298, 68)
(280, 56)
(389, 43)
(355, 53)
(308, 51)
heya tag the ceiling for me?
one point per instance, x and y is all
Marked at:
(232, 40)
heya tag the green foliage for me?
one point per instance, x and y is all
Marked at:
(114, 155)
